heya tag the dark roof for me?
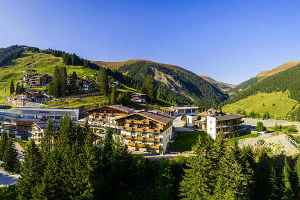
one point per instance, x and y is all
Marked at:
(116, 107)
(150, 115)
(122, 108)
(228, 117)
(157, 116)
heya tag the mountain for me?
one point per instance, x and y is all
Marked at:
(10, 53)
(186, 86)
(172, 84)
(278, 69)
(225, 87)
(283, 81)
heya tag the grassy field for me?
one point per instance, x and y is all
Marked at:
(250, 135)
(43, 63)
(84, 102)
(278, 104)
(184, 141)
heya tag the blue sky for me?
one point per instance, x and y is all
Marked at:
(227, 40)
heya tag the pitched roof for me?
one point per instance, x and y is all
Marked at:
(158, 117)
(122, 108)
(228, 117)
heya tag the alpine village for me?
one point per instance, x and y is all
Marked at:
(79, 129)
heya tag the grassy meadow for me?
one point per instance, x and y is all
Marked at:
(278, 104)
(42, 63)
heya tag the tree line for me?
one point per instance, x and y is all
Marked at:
(68, 164)
(7, 55)
(220, 170)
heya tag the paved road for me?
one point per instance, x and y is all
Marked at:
(271, 122)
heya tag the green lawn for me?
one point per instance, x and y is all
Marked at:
(84, 102)
(250, 135)
(278, 104)
(184, 141)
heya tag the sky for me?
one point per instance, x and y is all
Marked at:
(228, 40)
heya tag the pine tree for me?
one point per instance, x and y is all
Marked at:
(3, 143)
(65, 134)
(287, 187)
(18, 88)
(12, 88)
(260, 126)
(102, 80)
(297, 170)
(31, 172)
(48, 138)
(148, 87)
(73, 83)
(234, 184)
(199, 178)
(263, 182)
(10, 157)
(58, 86)
(51, 186)
(113, 95)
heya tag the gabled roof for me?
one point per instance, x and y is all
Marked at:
(158, 117)
(228, 117)
(121, 108)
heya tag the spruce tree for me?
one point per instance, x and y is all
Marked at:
(3, 143)
(231, 183)
(31, 172)
(73, 88)
(297, 170)
(199, 178)
(263, 182)
(10, 157)
(287, 187)
(12, 88)
(148, 87)
(102, 79)
(51, 186)
(113, 95)
(48, 138)
(18, 88)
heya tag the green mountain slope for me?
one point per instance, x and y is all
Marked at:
(8, 54)
(283, 79)
(41, 62)
(225, 87)
(278, 105)
(171, 83)
(186, 86)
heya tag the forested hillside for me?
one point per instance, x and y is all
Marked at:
(69, 166)
(281, 80)
(172, 83)
(225, 87)
(8, 54)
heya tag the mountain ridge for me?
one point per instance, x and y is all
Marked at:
(280, 80)
(226, 87)
(174, 78)
(171, 83)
